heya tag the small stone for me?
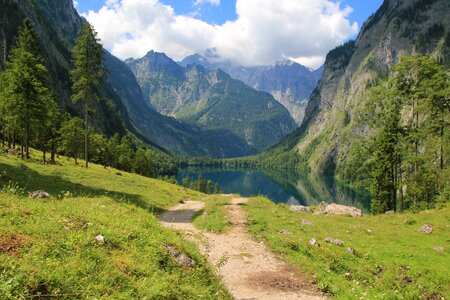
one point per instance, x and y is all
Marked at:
(334, 241)
(348, 275)
(313, 242)
(306, 222)
(389, 212)
(100, 239)
(299, 208)
(181, 258)
(369, 231)
(39, 194)
(426, 229)
(350, 250)
(285, 232)
(439, 249)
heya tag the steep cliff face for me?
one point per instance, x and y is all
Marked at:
(397, 28)
(211, 98)
(288, 82)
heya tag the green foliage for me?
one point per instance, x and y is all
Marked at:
(213, 218)
(391, 260)
(87, 75)
(71, 133)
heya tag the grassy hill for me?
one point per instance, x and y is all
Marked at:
(48, 247)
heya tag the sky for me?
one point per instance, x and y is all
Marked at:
(244, 32)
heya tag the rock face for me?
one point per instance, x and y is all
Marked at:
(426, 229)
(338, 209)
(288, 82)
(299, 208)
(211, 98)
(181, 258)
(397, 28)
(39, 194)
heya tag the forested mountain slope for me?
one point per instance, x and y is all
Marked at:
(398, 28)
(288, 82)
(123, 107)
(211, 98)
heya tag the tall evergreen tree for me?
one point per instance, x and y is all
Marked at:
(87, 76)
(27, 97)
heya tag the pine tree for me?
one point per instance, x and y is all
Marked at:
(27, 97)
(87, 76)
(70, 132)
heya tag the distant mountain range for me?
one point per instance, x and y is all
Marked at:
(211, 98)
(288, 82)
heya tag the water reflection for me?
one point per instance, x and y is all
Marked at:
(281, 187)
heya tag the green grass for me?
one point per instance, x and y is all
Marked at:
(393, 259)
(213, 218)
(47, 246)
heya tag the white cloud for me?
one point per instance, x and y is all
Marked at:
(212, 2)
(263, 33)
(75, 3)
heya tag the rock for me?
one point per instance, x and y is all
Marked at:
(350, 250)
(313, 242)
(348, 275)
(285, 232)
(426, 229)
(182, 259)
(299, 208)
(306, 222)
(100, 239)
(39, 194)
(338, 209)
(334, 241)
(389, 212)
(439, 249)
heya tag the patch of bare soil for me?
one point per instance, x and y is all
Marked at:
(12, 243)
(247, 268)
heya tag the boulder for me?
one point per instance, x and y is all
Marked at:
(338, 209)
(334, 241)
(313, 242)
(389, 212)
(181, 258)
(100, 239)
(39, 194)
(299, 208)
(426, 229)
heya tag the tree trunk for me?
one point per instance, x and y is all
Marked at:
(53, 153)
(75, 157)
(43, 156)
(86, 155)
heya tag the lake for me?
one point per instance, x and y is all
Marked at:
(280, 187)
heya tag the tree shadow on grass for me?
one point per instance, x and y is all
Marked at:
(31, 180)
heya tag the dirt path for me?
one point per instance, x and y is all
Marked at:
(247, 268)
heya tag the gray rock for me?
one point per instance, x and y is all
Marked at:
(389, 212)
(439, 249)
(100, 239)
(285, 232)
(334, 241)
(338, 209)
(299, 208)
(350, 250)
(313, 242)
(181, 258)
(39, 194)
(426, 229)
(306, 222)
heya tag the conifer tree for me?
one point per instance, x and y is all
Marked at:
(87, 76)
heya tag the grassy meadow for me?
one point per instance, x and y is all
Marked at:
(48, 247)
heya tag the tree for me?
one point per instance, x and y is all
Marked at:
(87, 75)
(27, 97)
(71, 133)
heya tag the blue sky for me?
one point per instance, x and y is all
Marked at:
(265, 31)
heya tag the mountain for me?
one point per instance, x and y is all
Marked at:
(398, 28)
(288, 82)
(57, 23)
(211, 98)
